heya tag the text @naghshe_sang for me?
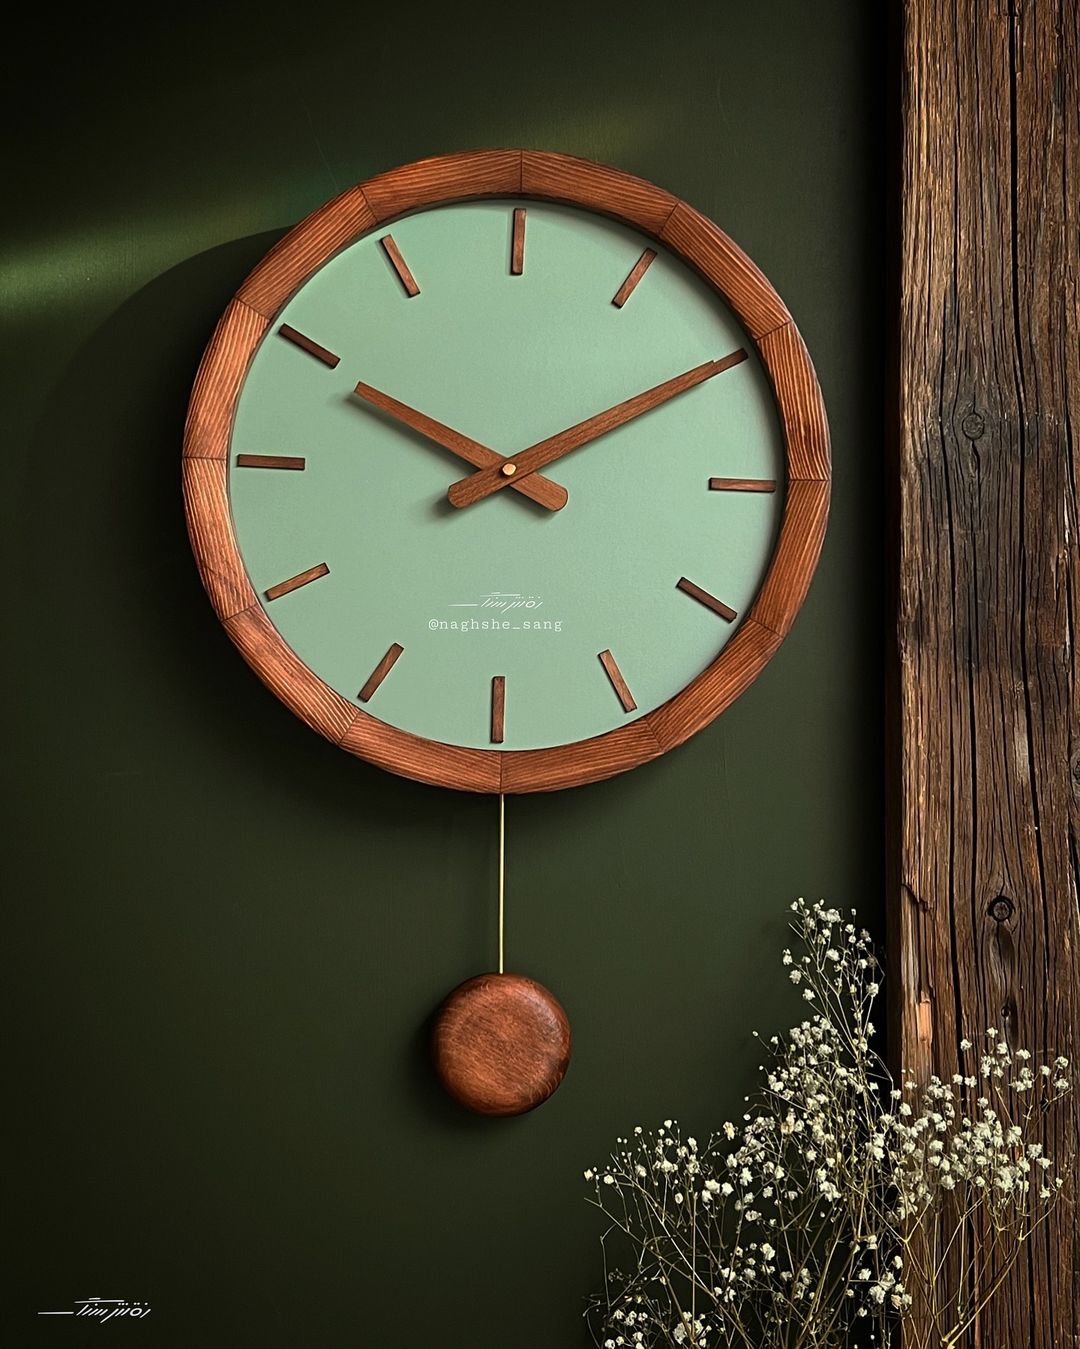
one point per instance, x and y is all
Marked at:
(494, 625)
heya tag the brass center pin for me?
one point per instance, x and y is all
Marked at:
(509, 470)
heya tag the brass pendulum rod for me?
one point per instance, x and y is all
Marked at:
(502, 883)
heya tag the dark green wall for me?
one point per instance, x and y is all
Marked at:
(227, 936)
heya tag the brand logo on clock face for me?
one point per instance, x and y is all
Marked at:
(501, 599)
(498, 611)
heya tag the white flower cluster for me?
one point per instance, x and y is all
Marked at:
(977, 1132)
(803, 1219)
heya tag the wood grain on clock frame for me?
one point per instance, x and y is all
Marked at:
(520, 174)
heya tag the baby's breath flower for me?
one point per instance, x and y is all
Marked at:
(831, 1155)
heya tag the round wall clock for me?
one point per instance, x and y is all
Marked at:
(507, 472)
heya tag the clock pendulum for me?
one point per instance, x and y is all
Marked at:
(367, 452)
(501, 1042)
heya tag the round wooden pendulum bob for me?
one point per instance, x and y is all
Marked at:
(501, 1044)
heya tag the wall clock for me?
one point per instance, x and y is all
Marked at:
(506, 471)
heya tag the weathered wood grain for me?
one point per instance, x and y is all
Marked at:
(987, 767)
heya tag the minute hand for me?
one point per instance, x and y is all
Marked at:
(476, 486)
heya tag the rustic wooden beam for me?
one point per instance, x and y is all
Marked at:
(986, 854)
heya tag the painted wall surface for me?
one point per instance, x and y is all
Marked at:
(225, 937)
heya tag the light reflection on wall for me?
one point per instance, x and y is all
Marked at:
(106, 263)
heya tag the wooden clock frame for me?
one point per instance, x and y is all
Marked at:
(515, 174)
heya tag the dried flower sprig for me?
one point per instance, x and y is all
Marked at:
(810, 1216)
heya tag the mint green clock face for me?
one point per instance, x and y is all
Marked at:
(505, 587)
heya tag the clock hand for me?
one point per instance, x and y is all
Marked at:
(541, 490)
(509, 473)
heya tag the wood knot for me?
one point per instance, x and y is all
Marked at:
(1001, 909)
(973, 426)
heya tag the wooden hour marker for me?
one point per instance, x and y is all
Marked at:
(636, 273)
(380, 672)
(618, 683)
(268, 461)
(517, 251)
(709, 601)
(306, 344)
(742, 485)
(400, 265)
(498, 708)
(295, 582)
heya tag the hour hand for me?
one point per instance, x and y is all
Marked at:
(539, 489)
